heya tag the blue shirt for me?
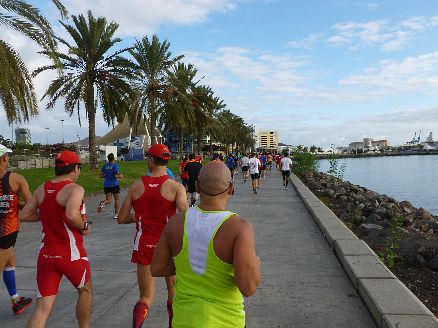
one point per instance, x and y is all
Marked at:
(110, 170)
(230, 162)
(169, 173)
(263, 159)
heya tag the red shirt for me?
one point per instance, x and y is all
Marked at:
(60, 239)
(184, 174)
(151, 212)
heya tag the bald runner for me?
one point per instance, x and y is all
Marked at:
(221, 266)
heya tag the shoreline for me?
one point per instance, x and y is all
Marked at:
(371, 155)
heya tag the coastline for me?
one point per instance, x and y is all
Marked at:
(385, 154)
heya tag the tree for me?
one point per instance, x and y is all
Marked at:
(93, 75)
(17, 94)
(152, 60)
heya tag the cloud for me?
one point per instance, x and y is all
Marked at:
(419, 73)
(139, 17)
(306, 43)
(381, 33)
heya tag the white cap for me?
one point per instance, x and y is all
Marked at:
(4, 150)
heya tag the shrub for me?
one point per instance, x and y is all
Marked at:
(304, 163)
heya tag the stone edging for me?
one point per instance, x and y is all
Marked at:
(389, 301)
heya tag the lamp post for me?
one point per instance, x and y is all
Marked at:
(62, 127)
(47, 137)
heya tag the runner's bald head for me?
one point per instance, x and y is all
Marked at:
(214, 178)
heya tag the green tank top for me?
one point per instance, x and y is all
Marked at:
(206, 293)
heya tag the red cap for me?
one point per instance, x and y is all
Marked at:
(160, 151)
(67, 157)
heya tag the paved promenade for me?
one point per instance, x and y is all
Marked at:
(302, 285)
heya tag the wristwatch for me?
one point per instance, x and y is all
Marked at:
(85, 226)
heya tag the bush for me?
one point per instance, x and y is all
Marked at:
(304, 163)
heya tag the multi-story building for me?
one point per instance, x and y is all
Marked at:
(268, 140)
(368, 143)
(23, 136)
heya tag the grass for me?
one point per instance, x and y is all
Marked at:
(90, 180)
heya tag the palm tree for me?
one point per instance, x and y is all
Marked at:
(93, 76)
(17, 94)
(152, 59)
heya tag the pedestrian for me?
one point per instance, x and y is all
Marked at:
(154, 199)
(254, 165)
(212, 252)
(244, 163)
(286, 167)
(12, 185)
(193, 168)
(184, 175)
(230, 164)
(62, 213)
(111, 173)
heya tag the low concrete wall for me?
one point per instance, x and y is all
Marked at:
(389, 301)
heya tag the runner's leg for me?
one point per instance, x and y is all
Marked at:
(43, 309)
(170, 283)
(84, 305)
(116, 203)
(5, 254)
(146, 285)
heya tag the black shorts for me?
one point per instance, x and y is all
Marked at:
(286, 174)
(9, 240)
(185, 182)
(263, 167)
(191, 186)
(112, 190)
(254, 176)
(245, 168)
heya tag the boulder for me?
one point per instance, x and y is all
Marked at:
(433, 263)
(373, 218)
(423, 214)
(421, 261)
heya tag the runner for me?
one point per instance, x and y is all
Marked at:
(110, 172)
(230, 164)
(155, 199)
(193, 169)
(286, 167)
(263, 160)
(244, 163)
(62, 214)
(254, 164)
(184, 174)
(12, 185)
(212, 252)
(198, 158)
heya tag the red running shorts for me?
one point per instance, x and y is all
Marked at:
(50, 270)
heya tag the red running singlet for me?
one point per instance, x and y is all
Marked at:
(152, 211)
(59, 239)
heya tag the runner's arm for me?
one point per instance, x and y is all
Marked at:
(73, 207)
(245, 261)
(181, 198)
(125, 216)
(29, 213)
(162, 262)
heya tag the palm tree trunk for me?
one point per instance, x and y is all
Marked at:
(181, 144)
(92, 139)
(91, 111)
(153, 120)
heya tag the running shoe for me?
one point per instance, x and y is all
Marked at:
(22, 304)
(115, 217)
(100, 206)
(255, 190)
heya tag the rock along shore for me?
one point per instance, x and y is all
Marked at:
(369, 215)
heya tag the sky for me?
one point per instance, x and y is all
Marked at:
(320, 72)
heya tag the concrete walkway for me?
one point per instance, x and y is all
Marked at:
(303, 284)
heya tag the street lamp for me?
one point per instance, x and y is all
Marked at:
(62, 126)
(47, 137)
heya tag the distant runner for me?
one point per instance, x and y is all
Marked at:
(244, 163)
(193, 168)
(110, 172)
(254, 164)
(286, 167)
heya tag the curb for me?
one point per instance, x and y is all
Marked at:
(389, 301)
